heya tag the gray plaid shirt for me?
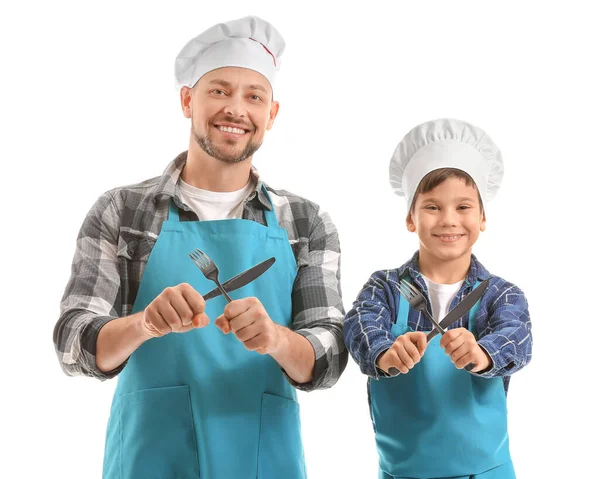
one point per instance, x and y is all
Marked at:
(117, 237)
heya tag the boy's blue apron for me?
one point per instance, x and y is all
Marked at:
(198, 404)
(438, 421)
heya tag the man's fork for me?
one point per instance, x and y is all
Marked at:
(208, 268)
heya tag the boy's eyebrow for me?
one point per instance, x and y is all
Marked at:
(464, 198)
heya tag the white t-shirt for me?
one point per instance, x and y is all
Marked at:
(214, 205)
(441, 296)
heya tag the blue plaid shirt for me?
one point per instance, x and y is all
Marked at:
(503, 324)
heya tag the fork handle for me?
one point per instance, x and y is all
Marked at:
(436, 325)
(222, 289)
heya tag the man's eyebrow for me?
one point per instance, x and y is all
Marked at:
(218, 81)
(259, 87)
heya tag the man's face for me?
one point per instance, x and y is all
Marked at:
(447, 219)
(231, 109)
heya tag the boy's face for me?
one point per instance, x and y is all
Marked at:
(447, 219)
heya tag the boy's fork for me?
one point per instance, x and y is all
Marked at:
(208, 268)
(417, 301)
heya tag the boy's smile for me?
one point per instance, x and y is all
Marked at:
(447, 220)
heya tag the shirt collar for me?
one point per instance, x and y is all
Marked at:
(167, 184)
(477, 271)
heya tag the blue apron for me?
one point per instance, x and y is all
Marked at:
(438, 421)
(198, 404)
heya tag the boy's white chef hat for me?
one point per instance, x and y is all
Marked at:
(249, 42)
(446, 143)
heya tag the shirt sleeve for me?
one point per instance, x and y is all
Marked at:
(317, 308)
(507, 338)
(92, 294)
(367, 326)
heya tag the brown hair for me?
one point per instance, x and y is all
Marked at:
(437, 177)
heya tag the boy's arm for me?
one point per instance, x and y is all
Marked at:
(507, 337)
(368, 324)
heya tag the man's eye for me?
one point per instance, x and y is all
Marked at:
(255, 98)
(218, 92)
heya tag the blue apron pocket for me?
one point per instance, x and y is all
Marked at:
(158, 439)
(280, 452)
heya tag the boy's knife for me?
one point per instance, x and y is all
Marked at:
(461, 308)
(242, 279)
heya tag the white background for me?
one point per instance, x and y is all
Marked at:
(88, 103)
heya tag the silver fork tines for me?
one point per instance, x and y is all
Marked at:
(417, 301)
(209, 269)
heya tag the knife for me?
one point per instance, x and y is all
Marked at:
(242, 279)
(461, 308)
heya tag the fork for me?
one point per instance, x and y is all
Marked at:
(209, 269)
(418, 302)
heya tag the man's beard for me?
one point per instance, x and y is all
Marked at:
(213, 150)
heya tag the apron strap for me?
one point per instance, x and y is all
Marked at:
(403, 309)
(270, 217)
(473, 313)
(173, 212)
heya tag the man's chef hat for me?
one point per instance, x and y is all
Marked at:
(446, 143)
(249, 42)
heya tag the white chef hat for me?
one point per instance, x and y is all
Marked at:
(446, 143)
(249, 42)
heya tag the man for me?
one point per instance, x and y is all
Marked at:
(206, 388)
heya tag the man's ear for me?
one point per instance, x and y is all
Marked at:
(185, 95)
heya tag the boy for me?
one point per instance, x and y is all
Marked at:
(439, 408)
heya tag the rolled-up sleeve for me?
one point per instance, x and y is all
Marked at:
(92, 294)
(317, 307)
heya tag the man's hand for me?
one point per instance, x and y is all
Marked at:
(462, 347)
(177, 309)
(249, 321)
(406, 351)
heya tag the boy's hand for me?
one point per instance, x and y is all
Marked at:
(462, 347)
(406, 351)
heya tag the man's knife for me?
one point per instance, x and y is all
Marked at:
(242, 279)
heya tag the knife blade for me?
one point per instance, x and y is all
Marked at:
(461, 308)
(242, 279)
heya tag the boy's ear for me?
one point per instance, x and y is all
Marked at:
(482, 223)
(410, 224)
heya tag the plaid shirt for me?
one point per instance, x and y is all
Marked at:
(118, 235)
(502, 321)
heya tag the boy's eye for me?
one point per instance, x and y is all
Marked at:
(431, 207)
(463, 207)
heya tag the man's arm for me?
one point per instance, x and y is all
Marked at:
(317, 308)
(92, 296)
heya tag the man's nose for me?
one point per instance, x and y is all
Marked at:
(235, 107)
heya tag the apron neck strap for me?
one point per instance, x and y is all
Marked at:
(270, 217)
(173, 212)
(473, 313)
